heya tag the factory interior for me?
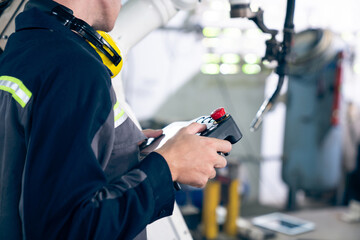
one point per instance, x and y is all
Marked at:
(291, 83)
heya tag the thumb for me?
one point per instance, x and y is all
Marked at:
(194, 128)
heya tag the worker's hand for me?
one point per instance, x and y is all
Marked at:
(192, 159)
(151, 133)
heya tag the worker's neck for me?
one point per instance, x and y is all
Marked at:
(82, 9)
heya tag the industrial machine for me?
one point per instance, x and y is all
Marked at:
(275, 50)
(315, 115)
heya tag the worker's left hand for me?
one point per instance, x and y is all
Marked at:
(151, 133)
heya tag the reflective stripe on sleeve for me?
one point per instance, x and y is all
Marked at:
(119, 115)
(17, 89)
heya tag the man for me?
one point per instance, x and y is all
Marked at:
(69, 166)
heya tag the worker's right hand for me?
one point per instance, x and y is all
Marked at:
(192, 159)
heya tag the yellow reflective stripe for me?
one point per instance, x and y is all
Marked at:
(17, 89)
(120, 119)
(116, 105)
(119, 115)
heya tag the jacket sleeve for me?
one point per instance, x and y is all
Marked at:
(65, 193)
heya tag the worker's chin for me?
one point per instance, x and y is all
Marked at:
(104, 27)
(109, 27)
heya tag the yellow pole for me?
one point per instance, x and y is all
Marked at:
(210, 203)
(232, 209)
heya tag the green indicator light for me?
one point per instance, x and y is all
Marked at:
(229, 68)
(211, 58)
(211, 32)
(232, 32)
(251, 58)
(251, 69)
(210, 69)
(230, 58)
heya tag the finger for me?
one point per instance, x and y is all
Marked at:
(151, 133)
(223, 146)
(221, 162)
(213, 174)
(194, 128)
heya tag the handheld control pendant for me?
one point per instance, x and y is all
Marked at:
(223, 127)
(218, 125)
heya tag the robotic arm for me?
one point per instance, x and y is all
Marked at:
(130, 28)
(278, 51)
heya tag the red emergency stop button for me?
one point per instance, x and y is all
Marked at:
(218, 113)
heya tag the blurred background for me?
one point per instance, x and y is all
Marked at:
(305, 154)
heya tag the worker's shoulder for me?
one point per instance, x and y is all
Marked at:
(50, 58)
(78, 60)
(71, 52)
